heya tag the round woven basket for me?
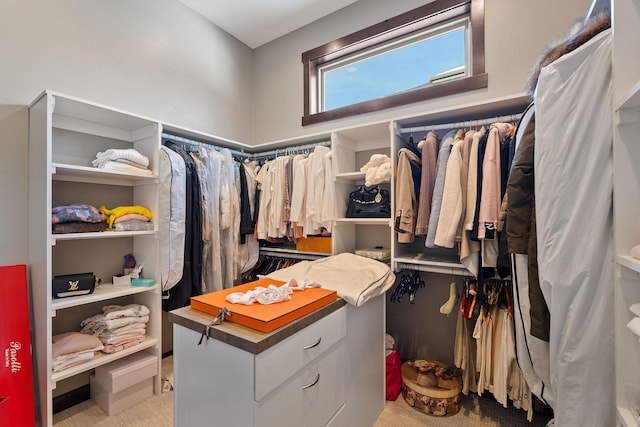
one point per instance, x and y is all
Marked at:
(431, 387)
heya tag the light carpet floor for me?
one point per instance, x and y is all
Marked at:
(157, 411)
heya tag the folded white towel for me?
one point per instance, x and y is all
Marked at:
(65, 361)
(121, 167)
(115, 311)
(120, 153)
(99, 323)
(635, 308)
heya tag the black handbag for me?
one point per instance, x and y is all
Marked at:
(71, 285)
(369, 202)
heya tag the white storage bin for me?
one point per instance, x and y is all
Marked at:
(112, 403)
(124, 373)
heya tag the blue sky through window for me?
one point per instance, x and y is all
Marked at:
(394, 71)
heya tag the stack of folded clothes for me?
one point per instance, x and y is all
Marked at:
(118, 327)
(128, 218)
(77, 218)
(122, 160)
(72, 348)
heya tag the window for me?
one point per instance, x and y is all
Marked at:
(432, 51)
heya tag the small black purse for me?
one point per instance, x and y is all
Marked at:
(369, 202)
(71, 285)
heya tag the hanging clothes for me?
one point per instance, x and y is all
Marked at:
(429, 160)
(447, 228)
(491, 194)
(203, 175)
(229, 218)
(573, 187)
(531, 314)
(189, 284)
(297, 196)
(247, 185)
(171, 217)
(297, 214)
(491, 197)
(248, 250)
(439, 186)
(264, 179)
(320, 200)
(464, 354)
(469, 248)
(212, 268)
(406, 203)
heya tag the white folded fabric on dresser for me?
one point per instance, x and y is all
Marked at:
(356, 279)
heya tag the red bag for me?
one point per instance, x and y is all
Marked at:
(394, 376)
(16, 380)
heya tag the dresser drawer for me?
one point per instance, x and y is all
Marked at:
(311, 397)
(280, 362)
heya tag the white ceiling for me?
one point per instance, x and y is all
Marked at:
(256, 22)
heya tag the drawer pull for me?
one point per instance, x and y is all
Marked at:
(315, 344)
(313, 383)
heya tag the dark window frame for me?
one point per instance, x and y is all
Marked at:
(431, 14)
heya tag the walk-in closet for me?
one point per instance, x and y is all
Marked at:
(203, 228)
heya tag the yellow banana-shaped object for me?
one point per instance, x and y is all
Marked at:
(117, 212)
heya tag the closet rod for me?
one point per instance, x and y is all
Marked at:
(283, 254)
(286, 150)
(463, 124)
(183, 140)
(455, 269)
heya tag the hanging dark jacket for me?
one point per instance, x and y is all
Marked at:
(521, 226)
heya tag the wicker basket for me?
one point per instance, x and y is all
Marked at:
(431, 387)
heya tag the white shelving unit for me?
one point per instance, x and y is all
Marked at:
(415, 255)
(65, 134)
(352, 149)
(626, 208)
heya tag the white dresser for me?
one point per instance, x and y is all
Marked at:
(326, 369)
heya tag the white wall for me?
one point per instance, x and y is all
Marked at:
(155, 58)
(516, 32)
(14, 185)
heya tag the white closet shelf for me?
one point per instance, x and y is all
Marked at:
(627, 417)
(349, 177)
(102, 293)
(292, 252)
(629, 262)
(99, 360)
(368, 221)
(75, 173)
(100, 235)
(628, 111)
(444, 264)
(631, 98)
